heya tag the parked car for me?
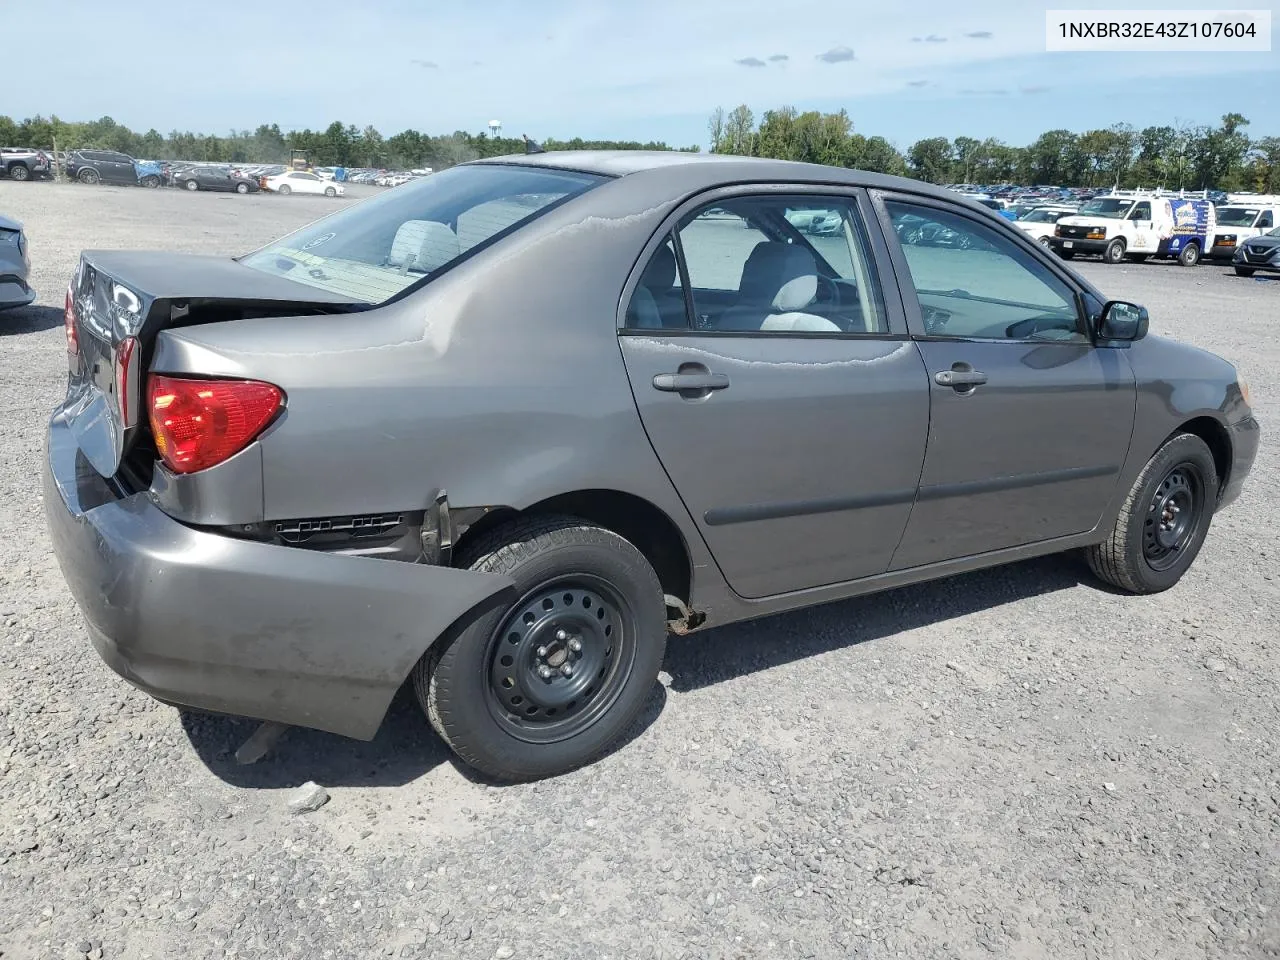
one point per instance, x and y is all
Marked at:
(302, 181)
(20, 163)
(1258, 253)
(502, 429)
(816, 222)
(216, 178)
(1039, 222)
(108, 166)
(15, 265)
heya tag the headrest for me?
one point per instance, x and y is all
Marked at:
(660, 274)
(423, 245)
(778, 276)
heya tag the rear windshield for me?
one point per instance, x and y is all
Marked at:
(375, 249)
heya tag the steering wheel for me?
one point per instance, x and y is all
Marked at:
(828, 292)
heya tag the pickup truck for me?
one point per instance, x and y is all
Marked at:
(21, 163)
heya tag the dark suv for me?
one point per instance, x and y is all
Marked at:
(107, 166)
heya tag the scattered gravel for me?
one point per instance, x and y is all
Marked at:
(916, 774)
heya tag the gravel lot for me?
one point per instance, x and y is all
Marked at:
(1013, 764)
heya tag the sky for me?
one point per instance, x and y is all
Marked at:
(613, 69)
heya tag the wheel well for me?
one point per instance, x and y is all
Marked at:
(1215, 437)
(633, 518)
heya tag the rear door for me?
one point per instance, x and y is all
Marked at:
(778, 386)
(1029, 421)
(119, 168)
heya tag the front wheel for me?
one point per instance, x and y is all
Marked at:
(1044, 242)
(1190, 255)
(1114, 252)
(1163, 521)
(19, 172)
(330, 192)
(242, 188)
(547, 684)
(150, 182)
(1244, 271)
(192, 185)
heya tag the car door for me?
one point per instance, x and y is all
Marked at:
(1145, 239)
(778, 387)
(306, 183)
(118, 168)
(1029, 420)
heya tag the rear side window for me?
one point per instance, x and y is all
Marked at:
(781, 264)
(376, 249)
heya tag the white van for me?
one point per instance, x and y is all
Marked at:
(1137, 225)
(1242, 217)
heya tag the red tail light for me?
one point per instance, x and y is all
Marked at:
(200, 423)
(69, 324)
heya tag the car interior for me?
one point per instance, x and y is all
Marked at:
(782, 284)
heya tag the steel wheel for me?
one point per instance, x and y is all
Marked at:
(1172, 516)
(559, 660)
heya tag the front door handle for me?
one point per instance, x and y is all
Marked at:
(681, 382)
(960, 379)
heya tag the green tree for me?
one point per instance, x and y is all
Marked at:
(931, 159)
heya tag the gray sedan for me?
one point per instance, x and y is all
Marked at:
(15, 265)
(499, 432)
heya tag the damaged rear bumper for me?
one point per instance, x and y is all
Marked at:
(234, 626)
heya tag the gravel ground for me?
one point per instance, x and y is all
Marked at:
(1014, 763)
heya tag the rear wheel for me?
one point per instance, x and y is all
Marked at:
(547, 684)
(19, 172)
(1244, 271)
(1190, 255)
(1163, 521)
(285, 190)
(88, 175)
(1114, 252)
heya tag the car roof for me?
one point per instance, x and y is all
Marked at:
(715, 168)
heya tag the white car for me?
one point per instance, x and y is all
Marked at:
(300, 181)
(1039, 223)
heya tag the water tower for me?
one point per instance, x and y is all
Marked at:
(495, 128)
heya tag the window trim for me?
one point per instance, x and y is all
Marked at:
(1018, 238)
(878, 260)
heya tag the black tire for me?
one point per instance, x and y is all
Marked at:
(1114, 252)
(19, 172)
(481, 689)
(191, 185)
(151, 182)
(1067, 254)
(242, 188)
(330, 192)
(1244, 271)
(1190, 255)
(284, 190)
(1044, 242)
(88, 175)
(1150, 548)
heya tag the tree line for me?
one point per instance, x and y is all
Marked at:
(1192, 157)
(1174, 157)
(337, 145)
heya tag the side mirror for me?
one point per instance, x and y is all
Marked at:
(1123, 321)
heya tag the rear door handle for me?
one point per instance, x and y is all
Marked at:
(679, 382)
(960, 378)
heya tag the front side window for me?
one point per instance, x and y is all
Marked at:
(781, 264)
(375, 249)
(1266, 221)
(973, 283)
(1141, 211)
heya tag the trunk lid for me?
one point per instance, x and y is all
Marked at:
(122, 299)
